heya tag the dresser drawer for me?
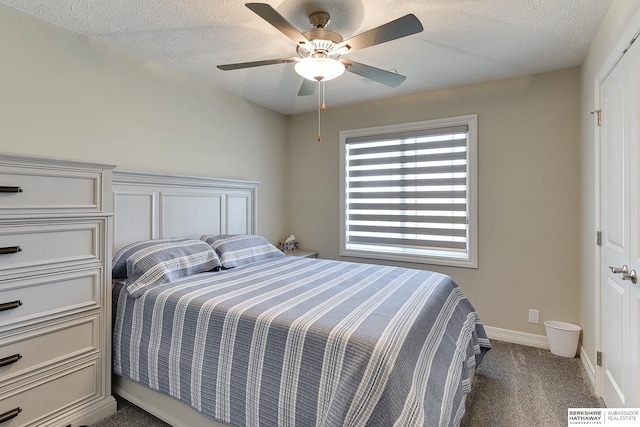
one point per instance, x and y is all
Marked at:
(28, 247)
(41, 401)
(49, 190)
(43, 297)
(49, 345)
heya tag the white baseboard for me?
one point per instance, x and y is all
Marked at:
(589, 368)
(515, 337)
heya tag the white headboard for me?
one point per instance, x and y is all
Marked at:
(154, 206)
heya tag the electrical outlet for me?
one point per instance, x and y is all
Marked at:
(534, 316)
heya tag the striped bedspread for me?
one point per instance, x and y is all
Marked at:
(305, 342)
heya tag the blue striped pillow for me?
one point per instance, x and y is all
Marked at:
(235, 250)
(154, 262)
(119, 262)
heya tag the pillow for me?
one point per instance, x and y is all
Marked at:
(154, 262)
(119, 262)
(235, 250)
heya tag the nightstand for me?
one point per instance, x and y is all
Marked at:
(303, 254)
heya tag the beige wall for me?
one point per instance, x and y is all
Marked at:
(619, 26)
(528, 188)
(63, 95)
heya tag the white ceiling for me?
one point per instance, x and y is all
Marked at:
(464, 41)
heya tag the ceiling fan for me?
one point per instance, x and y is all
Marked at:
(319, 49)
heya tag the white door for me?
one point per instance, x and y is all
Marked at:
(634, 223)
(619, 296)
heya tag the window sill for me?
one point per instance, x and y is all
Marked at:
(410, 258)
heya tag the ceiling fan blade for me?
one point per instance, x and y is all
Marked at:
(307, 87)
(376, 74)
(240, 65)
(272, 16)
(401, 27)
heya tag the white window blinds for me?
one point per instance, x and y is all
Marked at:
(407, 193)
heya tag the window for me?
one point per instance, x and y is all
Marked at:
(409, 192)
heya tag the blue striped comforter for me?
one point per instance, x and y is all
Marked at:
(305, 342)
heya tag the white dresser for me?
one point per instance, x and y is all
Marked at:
(55, 303)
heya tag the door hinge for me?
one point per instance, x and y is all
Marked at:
(599, 358)
(598, 114)
(599, 238)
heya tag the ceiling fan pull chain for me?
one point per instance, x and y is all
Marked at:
(319, 108)
(324, 106)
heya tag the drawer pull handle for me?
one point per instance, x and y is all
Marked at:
(5, 189)
(5, 361)
(10, 414)
(10, 305)
(10, 250)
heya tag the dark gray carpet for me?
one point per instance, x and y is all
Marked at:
(516, 386)
(526, 386)
(129, 415)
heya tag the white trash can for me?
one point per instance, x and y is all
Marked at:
(563, 337)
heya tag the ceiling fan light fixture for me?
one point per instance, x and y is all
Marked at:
(319, 69)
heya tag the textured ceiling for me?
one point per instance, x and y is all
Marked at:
(464, 41)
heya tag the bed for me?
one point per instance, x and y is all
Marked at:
(264, 339)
